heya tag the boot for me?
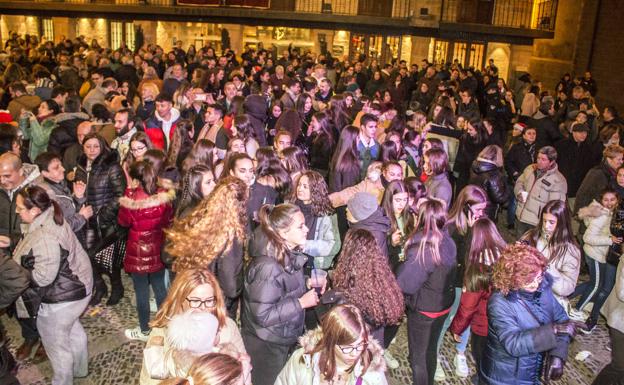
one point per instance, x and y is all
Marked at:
(117, 289)
(99, 289)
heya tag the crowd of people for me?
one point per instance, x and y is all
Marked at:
(280, 215)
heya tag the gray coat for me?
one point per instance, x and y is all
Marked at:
(438, 186)
(61, 193)
(326, 242)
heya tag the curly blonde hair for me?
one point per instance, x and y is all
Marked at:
(363, 273)
(517, 266)
(206, 233)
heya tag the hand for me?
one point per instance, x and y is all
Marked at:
(86, 212)
(570, 328)
(471, 218)
(396, 238)
(520, 197)
(309, 299)
(457, 338)
(79, 189)
(554, 369)
(616, 240)
(71, 176)
(5, 241)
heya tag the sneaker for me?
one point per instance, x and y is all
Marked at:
(152, 303)
(439, 373)
(136, 334)
(391, 362)
(577, 315)
(591, 325)
(461, 366)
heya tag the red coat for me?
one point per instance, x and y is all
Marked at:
(146, 216)
(472, 312)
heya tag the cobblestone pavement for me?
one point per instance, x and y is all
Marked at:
(115, 360)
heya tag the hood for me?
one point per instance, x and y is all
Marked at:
(481, 166)
(594, 210)
(63, 116)
(255, 105)
(175, 114)
(138, 199)
(309, 340)
(377, 221)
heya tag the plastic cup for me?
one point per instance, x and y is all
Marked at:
(318, 278)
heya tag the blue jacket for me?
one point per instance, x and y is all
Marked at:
(517, 341)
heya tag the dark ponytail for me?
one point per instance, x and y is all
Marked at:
(35, 196)
(145, 173)
(272, 219)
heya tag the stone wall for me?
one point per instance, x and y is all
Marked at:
(20, 24)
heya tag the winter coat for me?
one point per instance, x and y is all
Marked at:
(303, 366)
(466, 154)
(550, 186)
(341, 197)
(157, 363)
(58, 264)
(9, 220)
(597, 236)
(546, 129)
(256, 109)
(95, 96)
(596, 180)
(271, 309)
(146, 216)
(613, 308)
(106, 183)
(438, 186)
(518, 158)
(377, 224)
(472, 312)
(469, 111)
(517, 341)
(61, 193)
(340, 180)
(563, 272)
(326, 242)
(259, 195)
(13, 280)
(153, 129)
(37, 132)
(64, 135)
(24, 102)
(574, 161)
(428, 287)
(490, 177)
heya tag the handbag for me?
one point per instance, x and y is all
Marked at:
(613, 254)
(110, 250)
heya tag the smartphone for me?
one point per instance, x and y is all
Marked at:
(201, 97)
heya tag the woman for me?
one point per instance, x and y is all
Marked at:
(181, 143)
(212, 369)
(374, 85)
(244, 130)
(323, 241)
(487, 173)
(99, 169)
(61, 271)
(426, 279)
(140, 143)
(275, 294)
(553, 237)
(274, 113)
(146, 210)
(596, 242)
(203, 152)
(529, 331)
(321, 143)
(486, 246)
(339, 352)
(197, 184)
(207, 238)
(437, 183)
(37, 128)
(344, 170)
(395, 204)
(194, 290)
(362, 269)
(471, 142)
(305, 111)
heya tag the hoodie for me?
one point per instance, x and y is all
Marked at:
(379, 225)
(256, 109)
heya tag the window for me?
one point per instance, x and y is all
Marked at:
(47, 28)
(121, 32)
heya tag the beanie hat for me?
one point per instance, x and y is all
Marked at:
(193, 331)
(362, 206)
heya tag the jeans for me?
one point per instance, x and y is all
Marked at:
(422, 337)
(614, 371)
(465, 336)
(598, 288)
(64, 339)
(267, 359)
(142, 282)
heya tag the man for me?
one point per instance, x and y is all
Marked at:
(127, 72)
(367, 146)
(171, 84)
(468, 107)
(161, 125)
(124, 129)
(9, 139)
(98, 94)
(599, 177)
(589, 83)
(325, 91)
(293, 89)
(539, 184)
(278, 80)
(378, 177)
(545, 125)
(229, 92)
(20, 100)
(72, 153)
(213, 130)
(59, 95)
(64, 134)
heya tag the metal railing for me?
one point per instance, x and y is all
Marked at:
(527, 14)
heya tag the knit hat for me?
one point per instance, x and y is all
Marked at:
(362, 205)
(193, 331)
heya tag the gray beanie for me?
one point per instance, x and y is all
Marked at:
(362, 205)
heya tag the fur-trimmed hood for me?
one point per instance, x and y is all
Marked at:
(137, 199)
(594, 210)
(309, 340)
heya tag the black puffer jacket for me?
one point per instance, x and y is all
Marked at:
(519, 157)
(106, 183)
(64, 134)
(490, 177)
(271, 309)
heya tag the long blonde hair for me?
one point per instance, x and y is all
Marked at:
(206, 233)
(211, 369)
(184, 283)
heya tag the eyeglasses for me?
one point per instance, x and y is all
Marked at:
(351, 349)
(138, 149)
(197, 303)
